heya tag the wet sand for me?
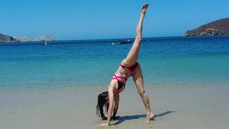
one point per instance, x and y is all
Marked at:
(180, 106)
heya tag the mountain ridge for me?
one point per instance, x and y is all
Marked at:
(217, 27)
(7, 38)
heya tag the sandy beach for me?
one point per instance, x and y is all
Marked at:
(175, 107)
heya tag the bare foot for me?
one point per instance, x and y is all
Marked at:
(149, 117)
(144, 8)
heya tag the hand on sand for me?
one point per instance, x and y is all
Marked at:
(104, 124)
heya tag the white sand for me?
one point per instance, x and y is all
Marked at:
(175, 107)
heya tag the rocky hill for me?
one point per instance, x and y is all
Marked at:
(41, 38)
(218, 27)
(6, 38)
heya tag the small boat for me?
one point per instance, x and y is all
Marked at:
(125, 41)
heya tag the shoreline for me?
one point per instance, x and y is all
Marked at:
(191, 107)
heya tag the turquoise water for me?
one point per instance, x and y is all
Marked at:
(164, 61)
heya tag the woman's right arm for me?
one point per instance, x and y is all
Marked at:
(111, 105)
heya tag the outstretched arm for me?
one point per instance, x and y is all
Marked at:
(133, 53)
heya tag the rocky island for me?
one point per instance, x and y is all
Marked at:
(6, 38)
(218, 27)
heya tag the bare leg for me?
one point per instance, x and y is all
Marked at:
(138, 80)
(133, 53)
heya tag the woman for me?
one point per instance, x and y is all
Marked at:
(128, 67)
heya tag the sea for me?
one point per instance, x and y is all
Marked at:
(185, 61)
(55, 84)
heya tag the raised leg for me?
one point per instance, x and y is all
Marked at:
(133, 53)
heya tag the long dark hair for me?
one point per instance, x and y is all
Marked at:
(102, 104)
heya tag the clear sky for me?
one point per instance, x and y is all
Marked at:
(104, 19)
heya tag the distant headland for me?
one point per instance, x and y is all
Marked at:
(6, 38)
(218, 27)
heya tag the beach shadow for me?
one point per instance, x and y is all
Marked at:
(121, 119)
(163, 114)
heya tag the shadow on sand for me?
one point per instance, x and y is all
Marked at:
(121, 119)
